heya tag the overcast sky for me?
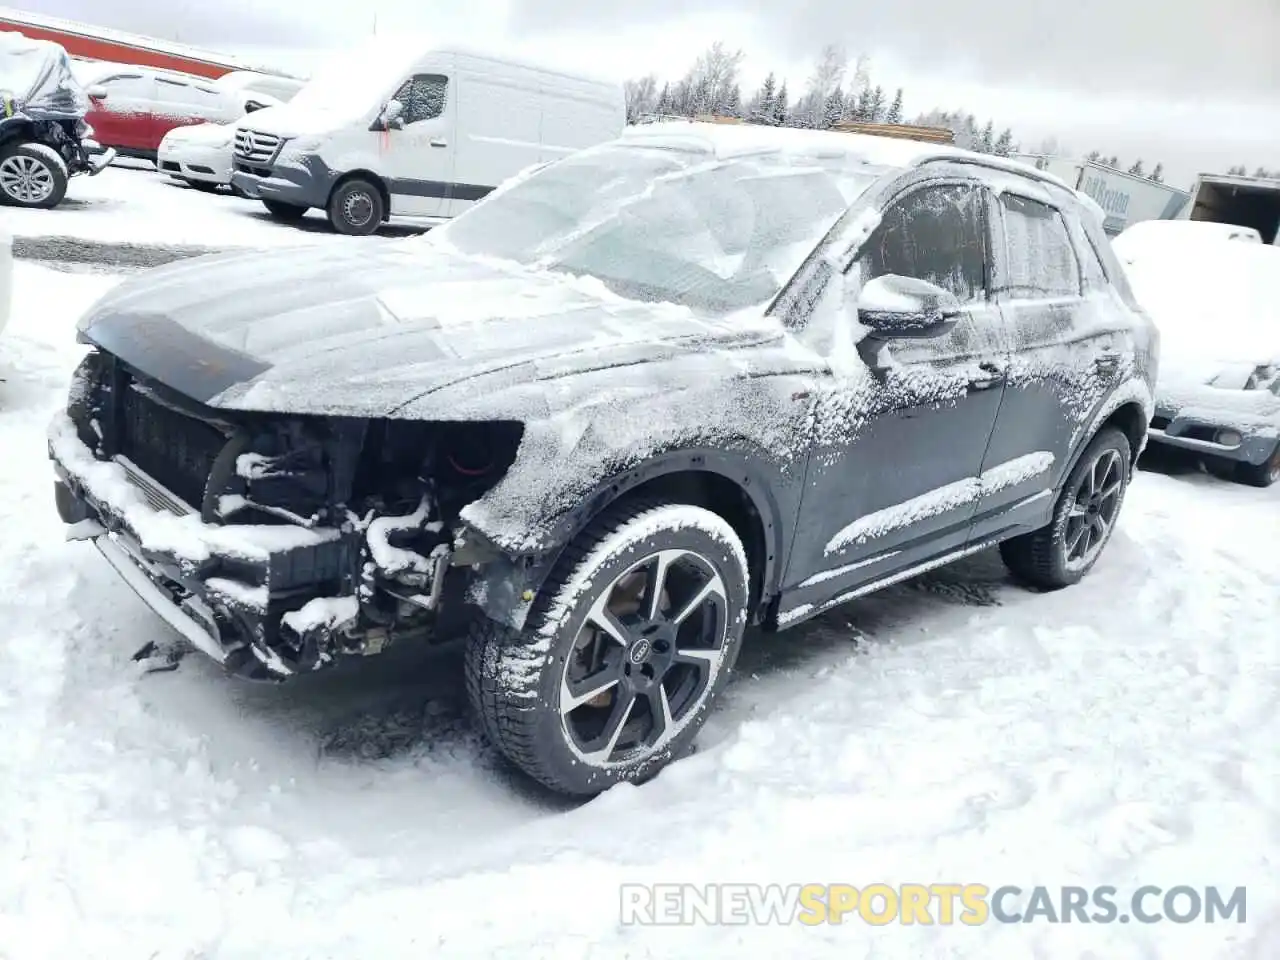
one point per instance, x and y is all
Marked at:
(1194, 84)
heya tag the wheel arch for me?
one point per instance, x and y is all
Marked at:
(361, 173)
(730, 485)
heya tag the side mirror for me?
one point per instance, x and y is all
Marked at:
(97, 92)
(253, 105)
(392, 114)
(895, 307)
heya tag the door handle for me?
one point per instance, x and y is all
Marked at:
(985, 383)
(1107, 364)
(438, 142)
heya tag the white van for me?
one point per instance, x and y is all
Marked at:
(419, 134)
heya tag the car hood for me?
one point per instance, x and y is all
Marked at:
(288, 120)
(368, 328)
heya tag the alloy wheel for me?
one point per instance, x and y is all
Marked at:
(26, 179)
(1094, 508)
(645, 659)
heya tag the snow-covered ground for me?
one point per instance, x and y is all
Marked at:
(954, 729)
(137, 205)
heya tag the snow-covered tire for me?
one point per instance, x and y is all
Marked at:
(523, 685)
(1261, 474)
(1062, 552)
(288, 212)
(32, 175)
(356, 208)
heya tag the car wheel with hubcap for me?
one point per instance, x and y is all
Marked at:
(629, 642)
(1261, 474)
(356, 208)
(30, 177)
(1084, 517)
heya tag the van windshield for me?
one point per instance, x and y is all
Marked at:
(352, 86)
(659, 225)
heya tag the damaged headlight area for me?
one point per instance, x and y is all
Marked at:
(287, 541)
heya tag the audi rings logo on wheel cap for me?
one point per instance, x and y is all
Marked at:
(640, 651)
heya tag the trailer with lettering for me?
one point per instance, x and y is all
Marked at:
(1125, 198)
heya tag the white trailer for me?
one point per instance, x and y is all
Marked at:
(1125, 198)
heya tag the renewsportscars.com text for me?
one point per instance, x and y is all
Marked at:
(970, 904)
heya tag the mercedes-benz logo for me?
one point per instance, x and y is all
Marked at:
(640, 651)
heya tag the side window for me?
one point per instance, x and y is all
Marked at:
(423, 97)
(1092, 271)
(127, 85)
(185, 95)
(1040, 260)
(936, 234)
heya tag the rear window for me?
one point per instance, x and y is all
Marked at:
(1040, 261)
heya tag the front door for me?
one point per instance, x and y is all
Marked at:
(1068, 346)
(900, 440)
(418, 157)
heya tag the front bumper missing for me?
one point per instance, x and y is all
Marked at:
(228, 597)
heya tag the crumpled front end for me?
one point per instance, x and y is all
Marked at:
(274, 544)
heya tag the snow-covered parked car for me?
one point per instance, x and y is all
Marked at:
(201, 154)
(695, 379)
(44, 140)
(1216, 301)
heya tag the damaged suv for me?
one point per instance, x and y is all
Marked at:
(699, 378)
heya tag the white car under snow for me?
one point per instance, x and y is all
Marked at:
(1215, 297)
(199, 154)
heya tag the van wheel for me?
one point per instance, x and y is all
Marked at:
(356, 208)
(32, 175)
(631, 639)
(1084, 518)
(288, 212)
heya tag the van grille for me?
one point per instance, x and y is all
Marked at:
(174, 448)
(256, 147)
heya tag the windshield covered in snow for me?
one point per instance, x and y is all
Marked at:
(354, 84)
(665, 226)
(37, 75)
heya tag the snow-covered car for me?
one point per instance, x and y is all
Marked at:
(698, 378)
(1216, 301)
(201, 154)
(6, 277)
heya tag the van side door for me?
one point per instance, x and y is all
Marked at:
(1067, 342)
(418, 157)
(499, 123)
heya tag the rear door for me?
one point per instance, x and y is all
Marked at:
(180, 103)
(1068, 342)
(418, 158)
(124, 116)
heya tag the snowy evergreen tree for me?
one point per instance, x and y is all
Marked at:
(1262, 173)
(1004, 143)
(762, 108)
(1095, 156)
(986, 142)
(1136, 169)
(876, 109)
(895, 109)
(1238, 171)
(733, 102)
(1113, 162)
(833, 109)
(781, 106)
(1157, 175)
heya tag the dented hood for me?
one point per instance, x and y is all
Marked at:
(368, 328)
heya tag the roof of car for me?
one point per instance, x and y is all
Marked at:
(731, 140)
